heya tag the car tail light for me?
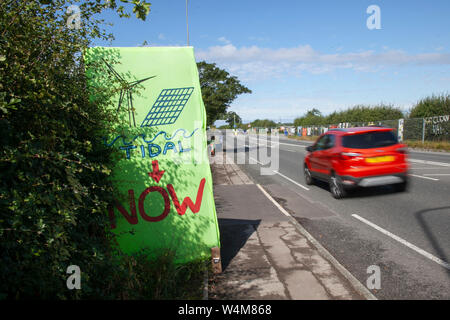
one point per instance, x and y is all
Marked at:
(403, 150)
(349, 155)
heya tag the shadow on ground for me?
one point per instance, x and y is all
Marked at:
(421, 217)
(361, 192)
(233, 236)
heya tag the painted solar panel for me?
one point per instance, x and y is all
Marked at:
(167, 107)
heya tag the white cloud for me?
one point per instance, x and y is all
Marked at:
(256, 62)
(224, 40)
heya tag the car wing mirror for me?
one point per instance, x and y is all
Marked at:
(310, 148)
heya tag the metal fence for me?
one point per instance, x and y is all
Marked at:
(429, 129)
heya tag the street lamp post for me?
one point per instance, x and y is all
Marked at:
(187, 23)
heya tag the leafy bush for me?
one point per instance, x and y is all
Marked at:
(359, 113)
(54, 186)
(312, 117)
(263, 124)
(436, 105)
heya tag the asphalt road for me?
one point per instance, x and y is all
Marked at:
(407, 235)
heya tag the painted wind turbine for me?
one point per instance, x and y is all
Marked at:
(126, 92)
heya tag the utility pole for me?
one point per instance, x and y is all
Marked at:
(187, 23)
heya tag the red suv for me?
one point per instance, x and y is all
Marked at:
(357, 157)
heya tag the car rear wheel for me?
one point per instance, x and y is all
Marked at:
(336, 188)
(309, 180)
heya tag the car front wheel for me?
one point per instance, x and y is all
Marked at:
(308, 177)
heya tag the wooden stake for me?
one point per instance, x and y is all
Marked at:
(216, 260)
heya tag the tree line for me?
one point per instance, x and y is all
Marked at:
(258, 123)
(434, 105)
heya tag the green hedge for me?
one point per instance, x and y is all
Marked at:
(54, 168)
(359, 113)
(435, 105)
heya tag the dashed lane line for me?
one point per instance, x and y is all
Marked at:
(434, 163)
(404, 242)
(282, 175)
(428, 178)
(293, 181)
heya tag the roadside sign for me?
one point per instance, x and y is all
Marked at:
(164, 197)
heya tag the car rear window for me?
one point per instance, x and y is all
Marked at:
(374, 139)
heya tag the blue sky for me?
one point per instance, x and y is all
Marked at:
(299, 55)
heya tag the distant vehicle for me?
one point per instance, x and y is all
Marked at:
(357, 157)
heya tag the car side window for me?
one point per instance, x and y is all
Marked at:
(321, 143)
(331, 141)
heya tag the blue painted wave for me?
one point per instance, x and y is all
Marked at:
(143, 136)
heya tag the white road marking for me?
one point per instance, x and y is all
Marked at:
(257, 161)
(428, 178)
(412, 168)
(288, 144)
(287, 178)
(404, 242)
(445, 154)
(273, 201)
(294, 182)
(443, 164)
(324, 252)
(436, 174)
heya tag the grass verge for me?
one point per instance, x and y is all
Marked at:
(428, 145)
(161, 278)
(304, 138)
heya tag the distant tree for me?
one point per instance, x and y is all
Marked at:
(314, 113)
(263, 123)
(436, 105)
(365, 113)
(358, 113)
(219, 90)
(233, 118)
(312, 117)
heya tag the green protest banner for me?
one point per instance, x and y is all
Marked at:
(165, 195)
